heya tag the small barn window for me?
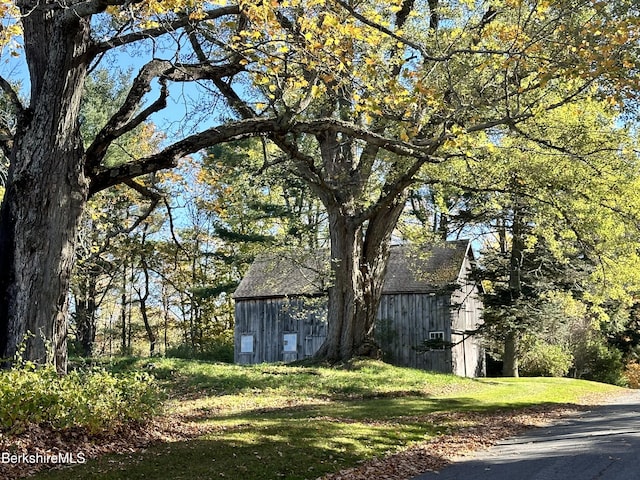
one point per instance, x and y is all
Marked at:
(436, 336)
(290, 342)
(436, 341)
(246, 344)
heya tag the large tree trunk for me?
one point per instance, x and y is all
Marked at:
(47, 189)
(359, 256)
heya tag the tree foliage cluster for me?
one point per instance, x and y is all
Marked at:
(560, 241)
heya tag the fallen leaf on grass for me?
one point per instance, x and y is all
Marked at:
(474, 431)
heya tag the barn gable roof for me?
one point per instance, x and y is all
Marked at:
(410, 270)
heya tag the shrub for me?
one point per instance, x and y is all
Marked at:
(95, 399)
(545, 360)
(603, 364)
(632, 374)
(215, 351)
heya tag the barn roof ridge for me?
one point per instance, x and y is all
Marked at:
(411, 269)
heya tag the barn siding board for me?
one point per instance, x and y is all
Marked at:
(407, 340)
(399, 341)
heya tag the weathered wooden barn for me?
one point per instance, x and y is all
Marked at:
(280, 309)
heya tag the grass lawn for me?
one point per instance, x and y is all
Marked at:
(272, 422)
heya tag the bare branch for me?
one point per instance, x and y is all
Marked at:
(241, 107)
(172, 226)
(386, 31)
(154, 198)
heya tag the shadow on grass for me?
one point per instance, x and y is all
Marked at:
(387, 409)
(361, 419)
(302, 450)
(305, 443)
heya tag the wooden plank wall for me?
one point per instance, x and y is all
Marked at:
(268, 320)
(404, 322)
(420, 314)
(468, 357)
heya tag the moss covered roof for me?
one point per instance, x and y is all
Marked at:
(410, 270)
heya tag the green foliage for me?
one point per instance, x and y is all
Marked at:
(557, 197)
(215, 290)
(96, 400)
(603, 364)
(541, 359)
(215, 351)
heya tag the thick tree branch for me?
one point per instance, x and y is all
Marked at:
(119, 125)
(91, 7)
(127, 118)
(155, 32)
(168, 157)
(304, 165)
(277, 129)
(389, 144)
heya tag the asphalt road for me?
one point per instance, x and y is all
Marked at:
(603, 444)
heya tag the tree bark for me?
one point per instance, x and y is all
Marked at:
(510, 366)
(151, 336)
(85, 315)
(359, 255)
(46, 190)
